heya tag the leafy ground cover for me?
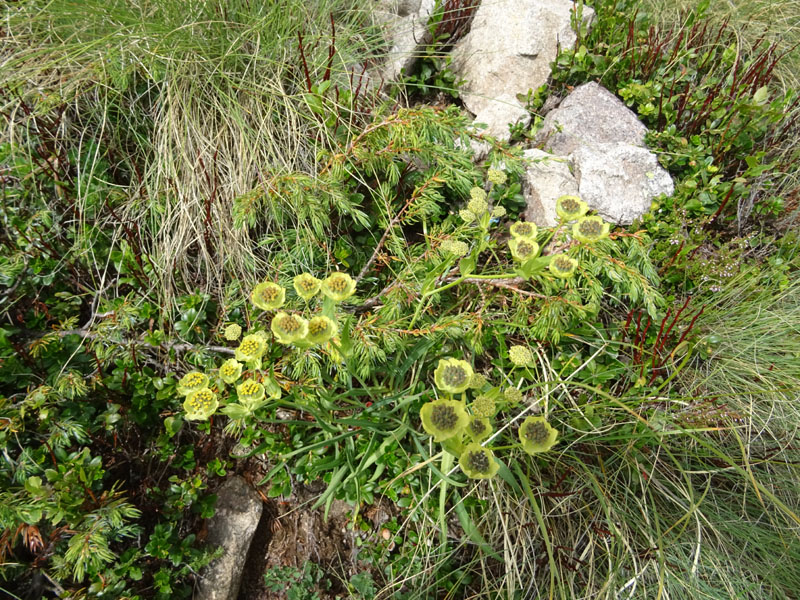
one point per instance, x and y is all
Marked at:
(224, 254)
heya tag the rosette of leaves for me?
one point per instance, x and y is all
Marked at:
(590, 230)
(562, 266)
(537, 435)
(478, 462)
(453, 375)
(321, 329)
(338, 286)
(268, 296)
(570, 208)
(200, 405)
(306, 286)
(191, 382)
(288, 328)
(479, 428)
(251, 348)
(230, 370)
(443, 419)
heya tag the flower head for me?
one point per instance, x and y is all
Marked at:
(191, 382)
(478, 206)
(454, 247)
(590, 229)
(321, 329)
(250, 394)
(496, 176)
(562, 266)
(306, 285)
(523, 249)
(252, 347)
(477, 193)
(477, 381)
(288, 328)
(230, 370)
(268, 296)
(570, 208)
(452, 375)
(499, 211)
(200, 404)
(479, 428)
(523, 230)
(512, 395)
(443, 419)
(537, 435)
(466, 215)
(520, 355)
(484, 406)
(338, 286)
(232, 332)
(478, 462)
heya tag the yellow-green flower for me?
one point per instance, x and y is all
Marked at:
(520, 355)
(268, 296)
(288, 328)
(570, 208)
(537, 435)
(230, 370)
(479, 428)
(477, 206)
(499, 211)
(590, 229)
(523, 230)
(200, 405)
(321, 329)
(232, 332)
(252, 347)
(306, 286)
(478, 462)
(477, 381)
(496, 176)
(512, 395)
(523, 249)
(452, 375)
(455, 247)
(562, 266)
(443, 419)
(484, 406)
(250, 394)
(477, 193)
(466, 215)
(338, 286)
(191, 382)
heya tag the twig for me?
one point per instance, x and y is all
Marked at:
(392, 223)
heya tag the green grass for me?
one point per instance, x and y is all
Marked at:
(199, 102)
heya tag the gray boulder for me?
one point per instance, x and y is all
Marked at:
(405, 26)
(589, 116)
(603, 142)
(232, 527)
(619, 180)
(547, 177)
(508, 51)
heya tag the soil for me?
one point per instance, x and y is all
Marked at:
(290, 533)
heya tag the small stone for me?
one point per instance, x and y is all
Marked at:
(232, 527)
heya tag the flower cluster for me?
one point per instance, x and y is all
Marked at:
(291, 327)
(462, 429)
